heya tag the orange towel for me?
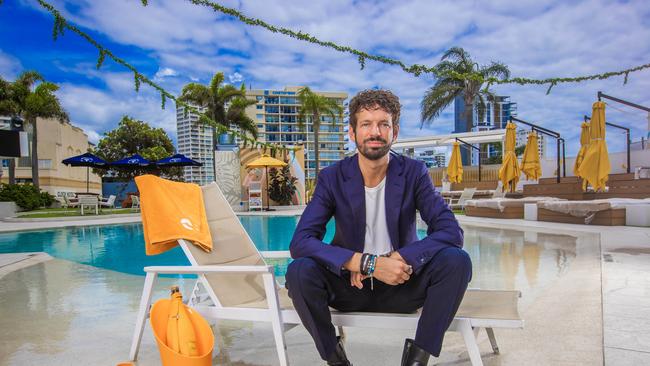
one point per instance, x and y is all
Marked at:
(171, 211)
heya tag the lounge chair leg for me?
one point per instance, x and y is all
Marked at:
(276, 317)
(145, 302)
(341, 333)
(473, 351)
(493, 340)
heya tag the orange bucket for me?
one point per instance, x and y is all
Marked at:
(204, 337)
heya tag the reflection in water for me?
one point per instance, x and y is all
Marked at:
(517, 260)
(531, 262)
(35, 296)
(503, 259)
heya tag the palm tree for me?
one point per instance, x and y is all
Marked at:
(32, 104)
(224, 104)
(448, 87)
(316, 106)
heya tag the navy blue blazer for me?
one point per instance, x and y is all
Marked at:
(340, 193)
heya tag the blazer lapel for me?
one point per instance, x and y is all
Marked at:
(395, 184)
(355, 193)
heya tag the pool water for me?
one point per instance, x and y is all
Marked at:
(121, 247)
(514, 259)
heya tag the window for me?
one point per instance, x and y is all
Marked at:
(259, 106)
(44, 163)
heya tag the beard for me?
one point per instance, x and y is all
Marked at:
(374, 152)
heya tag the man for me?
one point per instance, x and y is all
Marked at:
(373, 197)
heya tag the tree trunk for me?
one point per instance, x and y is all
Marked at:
(35, 181)
(316, 126)
(214, 148)
(12, 171)
(469, 117)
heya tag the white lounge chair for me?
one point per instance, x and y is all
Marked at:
(499, 192)
(135, 202)
(467, 194)
(70, 201)
(89, 202)
(234, 282)
(110, 202)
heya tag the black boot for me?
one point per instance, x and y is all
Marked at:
(338, 358)
(414, 355)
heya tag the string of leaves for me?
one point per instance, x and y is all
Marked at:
(414, 69)
(61, 24)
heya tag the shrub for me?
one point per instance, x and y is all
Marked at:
(26, 196)
(46, 199)
(282, 185)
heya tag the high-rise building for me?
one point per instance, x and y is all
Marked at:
(522, 139)
(432, 158)
(195, 141)
(276, 114)
(496, 116)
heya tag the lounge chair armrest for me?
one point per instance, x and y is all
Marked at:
(208, 269)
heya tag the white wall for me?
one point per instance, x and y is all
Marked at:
(618, 162)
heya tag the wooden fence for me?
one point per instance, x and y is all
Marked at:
(489, 173)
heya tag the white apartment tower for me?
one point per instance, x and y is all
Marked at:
(276, 115)
(195, 141)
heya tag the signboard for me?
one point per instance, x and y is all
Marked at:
(13, 144)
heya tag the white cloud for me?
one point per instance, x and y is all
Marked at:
(164, 72)
(10, 66)
(535, 38)
(235, 78)
(98, 111)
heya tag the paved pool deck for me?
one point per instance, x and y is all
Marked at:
(597, 312)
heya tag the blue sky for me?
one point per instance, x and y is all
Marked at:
(175, 42)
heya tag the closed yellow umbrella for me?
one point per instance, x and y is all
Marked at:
(509, 171)
(584, 144)
(595, 166)
(530, 165)
(266, 161)
(455, 166)
(183, 336)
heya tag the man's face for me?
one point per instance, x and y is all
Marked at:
(375, 133)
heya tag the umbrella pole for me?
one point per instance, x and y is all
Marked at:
(268, 203)
(87, 179)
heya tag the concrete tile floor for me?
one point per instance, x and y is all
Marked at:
(579, 309)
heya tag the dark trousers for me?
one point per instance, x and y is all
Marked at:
(437, 288)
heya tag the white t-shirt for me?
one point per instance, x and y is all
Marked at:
(377, 240)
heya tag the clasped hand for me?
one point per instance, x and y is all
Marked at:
(391, 270)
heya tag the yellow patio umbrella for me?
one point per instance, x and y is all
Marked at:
(595, 166)
(530, 165)
(266, 161)
(584, 144)
(455, 166)
(509, 171)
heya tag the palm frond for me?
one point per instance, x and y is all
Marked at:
(436, 99)
(495, 69)
(457, 54)
(195, 93)
(215, 83)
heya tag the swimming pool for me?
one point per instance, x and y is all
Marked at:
(121, 247)
(517, 254)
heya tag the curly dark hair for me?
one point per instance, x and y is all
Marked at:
(373, 99)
